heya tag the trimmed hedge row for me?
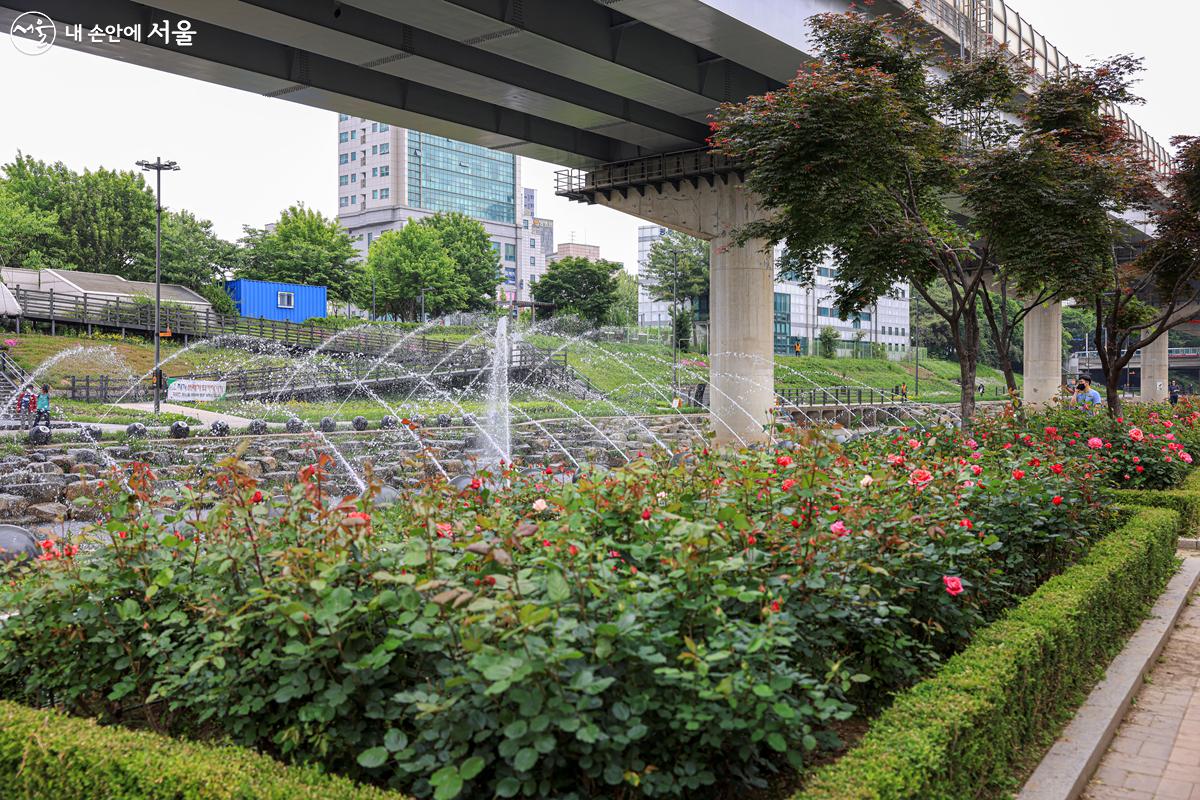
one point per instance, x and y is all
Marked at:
(46, 754)
(959, 733)
(1185, 499)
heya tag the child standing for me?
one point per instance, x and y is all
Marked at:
(43, 407)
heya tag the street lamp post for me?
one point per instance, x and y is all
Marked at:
(674, 326)
(158, 165)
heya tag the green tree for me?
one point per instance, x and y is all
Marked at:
(828, 340)
(405, 261)
(105, 217)
(467, 243)
(624, 310)
(681, 323)
(581, 286)
(867, 157)
(304, 247)
(688, 282)
(1156, 290)
(195, 257)
(25, 233)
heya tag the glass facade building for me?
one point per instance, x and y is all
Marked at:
(447, 175)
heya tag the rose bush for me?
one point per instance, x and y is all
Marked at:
(646, 631)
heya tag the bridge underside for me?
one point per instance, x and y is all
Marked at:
(575, 82)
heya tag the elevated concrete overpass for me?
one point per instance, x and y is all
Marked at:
(596, 85)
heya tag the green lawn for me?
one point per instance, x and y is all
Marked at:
(635, 377)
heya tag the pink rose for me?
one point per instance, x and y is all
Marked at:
(920, 477)
(1095, 443)
(1136, 434)
(839, 528)
(954, 585)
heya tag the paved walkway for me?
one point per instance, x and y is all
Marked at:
(206, 417)
(1156, 752)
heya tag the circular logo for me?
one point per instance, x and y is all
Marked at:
(33, 33)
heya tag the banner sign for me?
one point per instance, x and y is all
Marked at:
(182, 390)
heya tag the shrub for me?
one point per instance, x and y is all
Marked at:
(45, 754)
(958, 734)
(650, 630)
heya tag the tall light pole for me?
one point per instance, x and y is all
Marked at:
(674, 326)
(158, 165)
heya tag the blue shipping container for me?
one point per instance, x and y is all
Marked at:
(287, 302)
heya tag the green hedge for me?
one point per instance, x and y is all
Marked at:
(45, 754)
(959, 733)
(1185, 499)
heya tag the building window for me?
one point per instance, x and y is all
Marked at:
(343, 158)
(533, 243)
(342, 179)
(374, 149)
(374, 194)
(385, 171)
(532, 261)
(342, 201)
(342, 137)
(526, 223)
(286, 300)
(354, 156)
(822, 311)
(353, 135)
(343, 117)
(354, 177)
(510, 252)
(353, 199)
(370, 238)
(384, 194)
(374, 127)
(383, 149)
(383, 127)
(374, 172)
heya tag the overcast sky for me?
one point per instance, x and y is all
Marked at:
(246, 157)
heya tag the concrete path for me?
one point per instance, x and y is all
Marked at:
(206, 417)
(1156, 752)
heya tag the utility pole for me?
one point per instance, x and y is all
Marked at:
(372, 295)
(158, 165)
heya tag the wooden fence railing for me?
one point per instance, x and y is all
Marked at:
(436, 363)
(834, 395)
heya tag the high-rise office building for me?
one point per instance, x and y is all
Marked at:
(388, 176)
(800, 311)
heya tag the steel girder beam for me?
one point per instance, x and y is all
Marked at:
(236, 59)
(590, 41)
(406, 39)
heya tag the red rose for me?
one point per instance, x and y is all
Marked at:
(954, 585)
(1057, 500)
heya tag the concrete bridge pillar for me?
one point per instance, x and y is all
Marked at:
(741, 296)
(1154, 371)
(1043, 355)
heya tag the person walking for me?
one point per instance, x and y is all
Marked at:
(1175, 390)
(904, 392)
(42, 415)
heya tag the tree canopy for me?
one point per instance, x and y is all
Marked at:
(304, 247)
(897, 172)
(581, 286)
(690, 281)
(105, 218)
(470, 248)
(402, 262)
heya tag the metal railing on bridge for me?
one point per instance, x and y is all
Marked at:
(982, 24)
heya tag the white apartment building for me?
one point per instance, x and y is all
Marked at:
(800, 312)
(389, 175)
